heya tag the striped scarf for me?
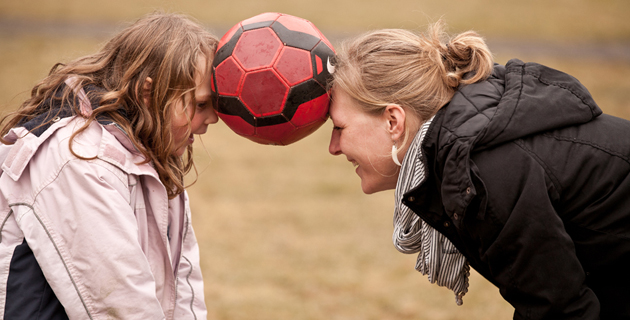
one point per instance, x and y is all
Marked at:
(438, 258)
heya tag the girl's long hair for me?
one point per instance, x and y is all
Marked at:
(162, 46)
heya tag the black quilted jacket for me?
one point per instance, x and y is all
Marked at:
(531, 182)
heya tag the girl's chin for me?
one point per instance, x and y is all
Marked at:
(180, 152)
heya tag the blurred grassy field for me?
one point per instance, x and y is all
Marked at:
(285, 232)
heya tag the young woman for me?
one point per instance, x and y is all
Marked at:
(511, 170)
(95, 219)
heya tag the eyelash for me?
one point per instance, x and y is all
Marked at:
(337, 128)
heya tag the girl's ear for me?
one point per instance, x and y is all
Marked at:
(395, 116)
(146, 91)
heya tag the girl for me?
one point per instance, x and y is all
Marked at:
(512, 170)
(95, 219)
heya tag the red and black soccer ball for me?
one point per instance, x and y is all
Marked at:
(269, 77)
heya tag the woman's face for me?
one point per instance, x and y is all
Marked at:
(365, 141)
(204, 113)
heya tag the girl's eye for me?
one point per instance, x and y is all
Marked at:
(202, 105)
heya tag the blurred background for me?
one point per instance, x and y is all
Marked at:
(285, 232)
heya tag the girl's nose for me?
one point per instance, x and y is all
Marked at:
(212, 117)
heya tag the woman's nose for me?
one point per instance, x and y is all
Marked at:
(334, 147)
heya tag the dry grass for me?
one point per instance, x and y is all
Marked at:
(285, 232)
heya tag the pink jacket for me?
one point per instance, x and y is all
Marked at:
(98, 228)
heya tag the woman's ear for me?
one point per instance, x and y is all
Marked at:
(146, 91)
(395, 116)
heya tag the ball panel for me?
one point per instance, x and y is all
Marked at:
(229, 76)
(293, 65)
(238, 125)
(312, 111)
(300, 94)
(263, 92)
(259, 25)
(323, 52)
(298, 24)
(260, 21)
(271, 120)
(233, 106)
(324, 39)
(266, 141)
(213, 86)
(226, 50)
(294, 39)
(257, 49)
(274, 134)
(301, 132)
(228, 35)
(319, 65)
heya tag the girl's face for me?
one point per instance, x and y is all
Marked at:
(204, 113)
(365, 141)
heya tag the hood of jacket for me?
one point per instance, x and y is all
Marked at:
(56, 108)
(58, 114)
(517, 100)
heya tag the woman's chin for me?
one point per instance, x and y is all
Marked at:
(370, 187)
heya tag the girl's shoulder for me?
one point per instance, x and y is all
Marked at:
(58, 145)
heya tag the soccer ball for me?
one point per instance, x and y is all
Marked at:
(269, 77)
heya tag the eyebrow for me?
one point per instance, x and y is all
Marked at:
(206, 96)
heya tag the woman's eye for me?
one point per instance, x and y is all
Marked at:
(337, 128)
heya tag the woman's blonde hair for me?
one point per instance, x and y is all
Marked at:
(418, 72)
(162, 46)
